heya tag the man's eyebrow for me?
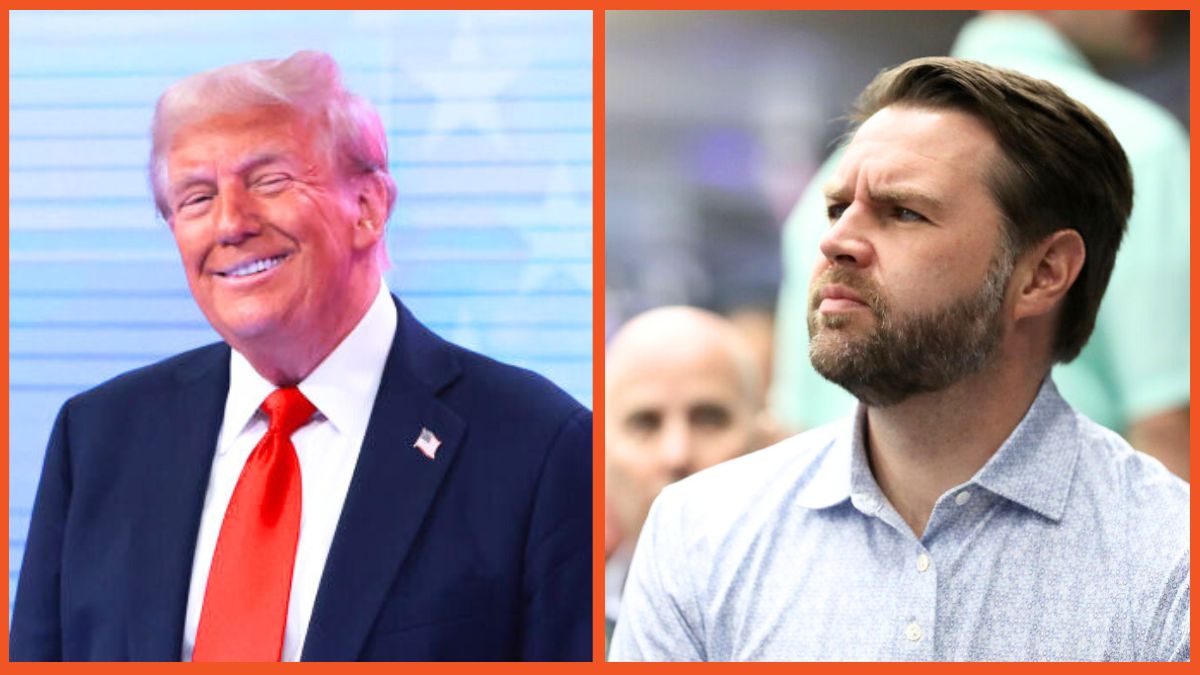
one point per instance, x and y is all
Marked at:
(906, 196)
(834, 191)
(255, 161)
(899, 195)
(188, 180)
(204, 176)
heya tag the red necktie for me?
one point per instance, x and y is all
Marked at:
(246, 600)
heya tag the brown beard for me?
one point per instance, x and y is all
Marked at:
(907, 354)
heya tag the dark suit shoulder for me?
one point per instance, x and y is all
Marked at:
(518, 390)
(467, 378)
(155, 379)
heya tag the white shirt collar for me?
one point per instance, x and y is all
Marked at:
(342, 387)
(616, 570)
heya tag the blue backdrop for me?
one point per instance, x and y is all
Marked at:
(489, 116)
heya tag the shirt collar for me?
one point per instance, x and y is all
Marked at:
(616, 569)
(828, 479)
(1033, 467)
(247, 391)
(342, 387)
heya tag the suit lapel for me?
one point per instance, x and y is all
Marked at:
(393, 486)
(179, 444)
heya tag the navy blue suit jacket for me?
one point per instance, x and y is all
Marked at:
(483, 553)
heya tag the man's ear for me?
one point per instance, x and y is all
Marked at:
(1048, 271)
(371, 194)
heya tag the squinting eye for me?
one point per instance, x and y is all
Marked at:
(835, 211)
(908, 215)
(193, 201)
(271, 182)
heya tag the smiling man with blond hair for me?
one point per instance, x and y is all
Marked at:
(333, 482)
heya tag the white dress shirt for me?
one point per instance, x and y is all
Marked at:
(343, 389)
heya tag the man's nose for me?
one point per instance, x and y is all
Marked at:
(677, 450)
(846, 242)
(237, 218)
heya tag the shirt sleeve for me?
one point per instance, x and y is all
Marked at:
(1145, 315)
(1137, 362)
(659, 618)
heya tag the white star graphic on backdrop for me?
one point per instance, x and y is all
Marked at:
(560, 207)
(465, 91)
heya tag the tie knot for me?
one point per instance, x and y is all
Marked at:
(287, 410)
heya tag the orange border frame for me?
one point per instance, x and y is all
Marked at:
(597, 336)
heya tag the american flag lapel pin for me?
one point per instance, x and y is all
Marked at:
(427, 443)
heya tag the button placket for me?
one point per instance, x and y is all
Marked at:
(917, 630)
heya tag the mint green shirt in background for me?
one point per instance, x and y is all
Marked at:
(1137, 361)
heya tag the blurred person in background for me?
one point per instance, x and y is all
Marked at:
(964, 510)
(682, 393)
(1133, 375)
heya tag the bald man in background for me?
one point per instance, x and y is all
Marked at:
(682, 393)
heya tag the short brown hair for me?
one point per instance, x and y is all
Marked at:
(1062, 167)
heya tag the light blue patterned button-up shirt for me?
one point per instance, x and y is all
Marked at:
(1066, 545)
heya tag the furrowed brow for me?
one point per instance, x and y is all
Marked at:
(906, 196)
(835, 192)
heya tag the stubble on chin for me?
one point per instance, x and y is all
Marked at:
(898, 357)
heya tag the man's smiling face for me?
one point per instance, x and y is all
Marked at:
(265, 225)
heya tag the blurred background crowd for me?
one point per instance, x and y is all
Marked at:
(720, 127)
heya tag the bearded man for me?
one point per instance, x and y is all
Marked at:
(965, 511)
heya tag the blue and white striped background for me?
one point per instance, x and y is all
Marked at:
(489, 117)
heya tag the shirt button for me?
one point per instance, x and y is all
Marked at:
(912, 632)
(962, 498)
(922, 564)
